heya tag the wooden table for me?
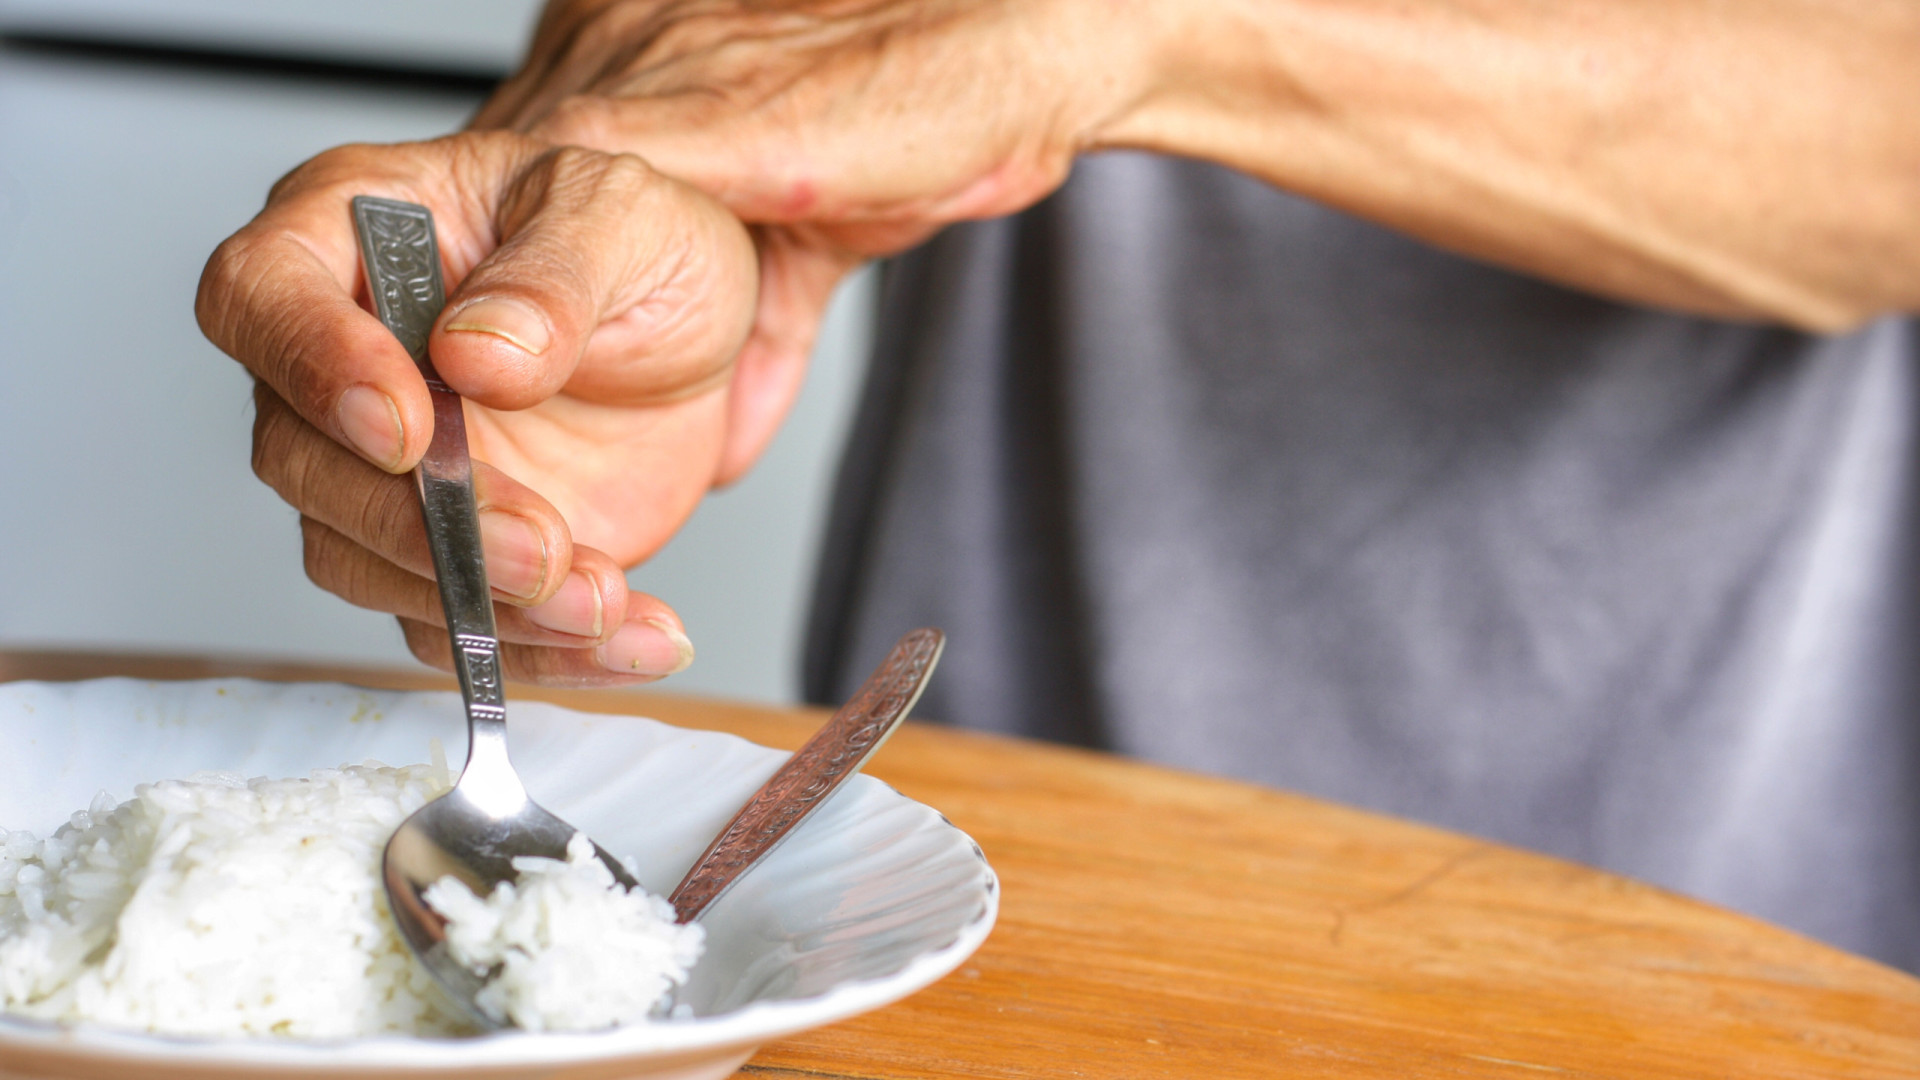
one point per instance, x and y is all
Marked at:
(1158, 924)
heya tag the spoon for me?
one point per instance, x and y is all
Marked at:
(475, 831)
(809, 778)
(814, 772)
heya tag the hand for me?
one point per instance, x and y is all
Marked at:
(841, 130)
(594, 314)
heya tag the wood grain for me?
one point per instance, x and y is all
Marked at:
(1158, 924)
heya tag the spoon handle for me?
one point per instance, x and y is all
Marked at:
(402, 260)
(813, 773)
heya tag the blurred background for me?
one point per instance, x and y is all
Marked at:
(134, 136)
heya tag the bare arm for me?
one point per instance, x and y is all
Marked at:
(1756, 159)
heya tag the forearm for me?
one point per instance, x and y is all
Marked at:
(1757, 159)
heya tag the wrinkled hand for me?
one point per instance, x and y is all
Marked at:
(595, 311)
(623, 342)
(840, 129)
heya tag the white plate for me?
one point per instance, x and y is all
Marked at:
(873, 898)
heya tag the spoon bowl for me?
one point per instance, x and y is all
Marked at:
(456, 836)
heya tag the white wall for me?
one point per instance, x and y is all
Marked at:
(484, 36)
(128, 515)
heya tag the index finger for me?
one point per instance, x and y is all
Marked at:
(279, 296)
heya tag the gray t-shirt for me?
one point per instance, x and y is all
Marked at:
(1197, 471)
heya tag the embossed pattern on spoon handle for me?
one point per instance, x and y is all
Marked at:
(814, 773)
(402, 260)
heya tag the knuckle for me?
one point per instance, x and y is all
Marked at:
(318, 556)
(338, 565)
(423, 643)
(627, 176)
(302, 472)
(216, 285)
(274, 442)
(579, 121)
(514, 663)
(227, 284)
(388, 520)
(245, 308)
(603, 190)
(264, 457)
(567, 165)
(328, 168)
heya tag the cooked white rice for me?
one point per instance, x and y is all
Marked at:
(220, 906)
(568, 949)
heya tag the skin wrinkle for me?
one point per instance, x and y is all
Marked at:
(329, 561)
(380, 521)
(670, 304)
(1659, 151)
(244, 284)
(387, 520)
(360, 576)
(231, 289)
(269, 454)
(298, 323)
(282, 459)
(390, 521)
(646, 276)
(766, 100)
(532, 255)
(369, 582)
(305, 469)
(340, 565)
(582, 49)
(667, 311)
(477, 188)
(295, 326)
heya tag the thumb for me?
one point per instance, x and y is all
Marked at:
(609, 278)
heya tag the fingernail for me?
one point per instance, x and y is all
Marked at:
(504, 318)
(516, 553)
(647, 647)
(370, 421)
(575, 609)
